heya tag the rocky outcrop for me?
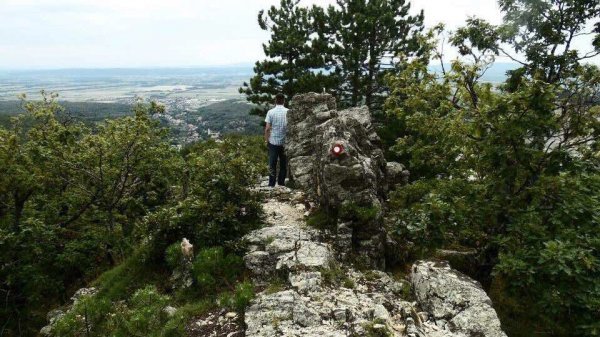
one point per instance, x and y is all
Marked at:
(336, 158)
(454, 301)
(285, 243)
(310, 307)
(311, 293)
(316, 296)
(356, 174)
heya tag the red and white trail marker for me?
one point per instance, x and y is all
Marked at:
(337, 149)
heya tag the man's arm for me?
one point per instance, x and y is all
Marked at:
(267, 131)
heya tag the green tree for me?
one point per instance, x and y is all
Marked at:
(545, 32)
(345, 50)
(295, 60)
(511, 171)
(70, 197)
(372, 38)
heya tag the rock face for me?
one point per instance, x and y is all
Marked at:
(454, 300)
(335, 156)
(356, 174)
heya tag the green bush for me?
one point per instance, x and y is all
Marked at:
(84, 319)
(364, 215)
(240, 298)
(217, 207)
(142, 315)
(510, 172)
(214, 270)
(174, 255)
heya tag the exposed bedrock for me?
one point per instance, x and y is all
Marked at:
(336, 158)
(454, 300)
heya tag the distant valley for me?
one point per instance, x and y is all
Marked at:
(199, 102)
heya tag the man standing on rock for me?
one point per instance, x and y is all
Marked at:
(275, 130)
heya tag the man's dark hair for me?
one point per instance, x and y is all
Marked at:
(279, 99)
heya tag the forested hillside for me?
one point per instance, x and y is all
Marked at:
(76, 203)
(87, 112)
(224, 117)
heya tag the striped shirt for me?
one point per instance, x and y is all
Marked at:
(277, 117)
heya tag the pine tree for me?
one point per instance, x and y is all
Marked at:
(372, 38)
(294, 60)
(345, 50)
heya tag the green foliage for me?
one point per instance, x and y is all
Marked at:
(173, 255)
(369, 35)
(364, 215)
(69, 197)
(545, 32)
(322, 219)
(76, 201)
(84, 318)
(217, 205)
(175, 326)
(141, 315)
(215, 270)
(553, 251)
(89, 113)
(293, 64)
(510, 171)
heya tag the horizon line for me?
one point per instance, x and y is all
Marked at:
(208, 66)
(228, 65)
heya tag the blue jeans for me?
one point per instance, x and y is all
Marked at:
(277, 152)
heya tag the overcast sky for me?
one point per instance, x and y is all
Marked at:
(164, 33)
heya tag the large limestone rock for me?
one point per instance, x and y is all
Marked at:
(314, 128)
(454, 300)
(309, 308)
(354, 178)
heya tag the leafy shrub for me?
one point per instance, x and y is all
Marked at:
(141, 315)
(217, 206)
(551, 256)
(364, 215)
(84, 319)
